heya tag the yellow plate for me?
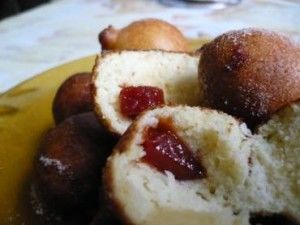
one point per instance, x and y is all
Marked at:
(25, 114)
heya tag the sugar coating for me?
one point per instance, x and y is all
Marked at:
(250, 73)
(35, 202)
(238, 36)
(53, 162)
(40, 209)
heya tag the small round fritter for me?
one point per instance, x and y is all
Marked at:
(74, 96)
(250, 73)
(144, 35)
(69, 162)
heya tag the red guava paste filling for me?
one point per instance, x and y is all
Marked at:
(134, 100)
(166, 151)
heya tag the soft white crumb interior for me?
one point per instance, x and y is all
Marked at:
(245, 173)
(159, 195)
(175, 73)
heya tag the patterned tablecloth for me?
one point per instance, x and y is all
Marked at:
(65, 30)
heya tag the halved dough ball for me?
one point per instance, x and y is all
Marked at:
(141, 194)
(144, 35)
(174, 73)
(249, 179)
(283, 157)
(250, 73)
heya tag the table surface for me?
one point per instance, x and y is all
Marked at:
(64, 30)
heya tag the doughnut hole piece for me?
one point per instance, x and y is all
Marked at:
(144, 35)
(69, 162)
(74, 96)
(250, 73)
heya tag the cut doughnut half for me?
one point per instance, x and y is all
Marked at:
(238, 185)
(173, 74)
(144, 195)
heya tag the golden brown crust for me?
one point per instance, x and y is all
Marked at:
(97, 107)
(108, 37)
(144, 34)
(250, 73)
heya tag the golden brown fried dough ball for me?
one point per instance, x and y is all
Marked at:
(144, 35)
(250, 73)
(73, 96)
(69, 162)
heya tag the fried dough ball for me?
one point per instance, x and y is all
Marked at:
(144, 35)
(250, 73)
(69, 162)
(73, 97)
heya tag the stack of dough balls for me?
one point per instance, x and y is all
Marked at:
(72, 154)
(249, 178)
(248, 80)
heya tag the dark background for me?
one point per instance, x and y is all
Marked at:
(11, 7)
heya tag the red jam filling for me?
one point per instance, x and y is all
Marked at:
(166, 151)
(134, 100)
